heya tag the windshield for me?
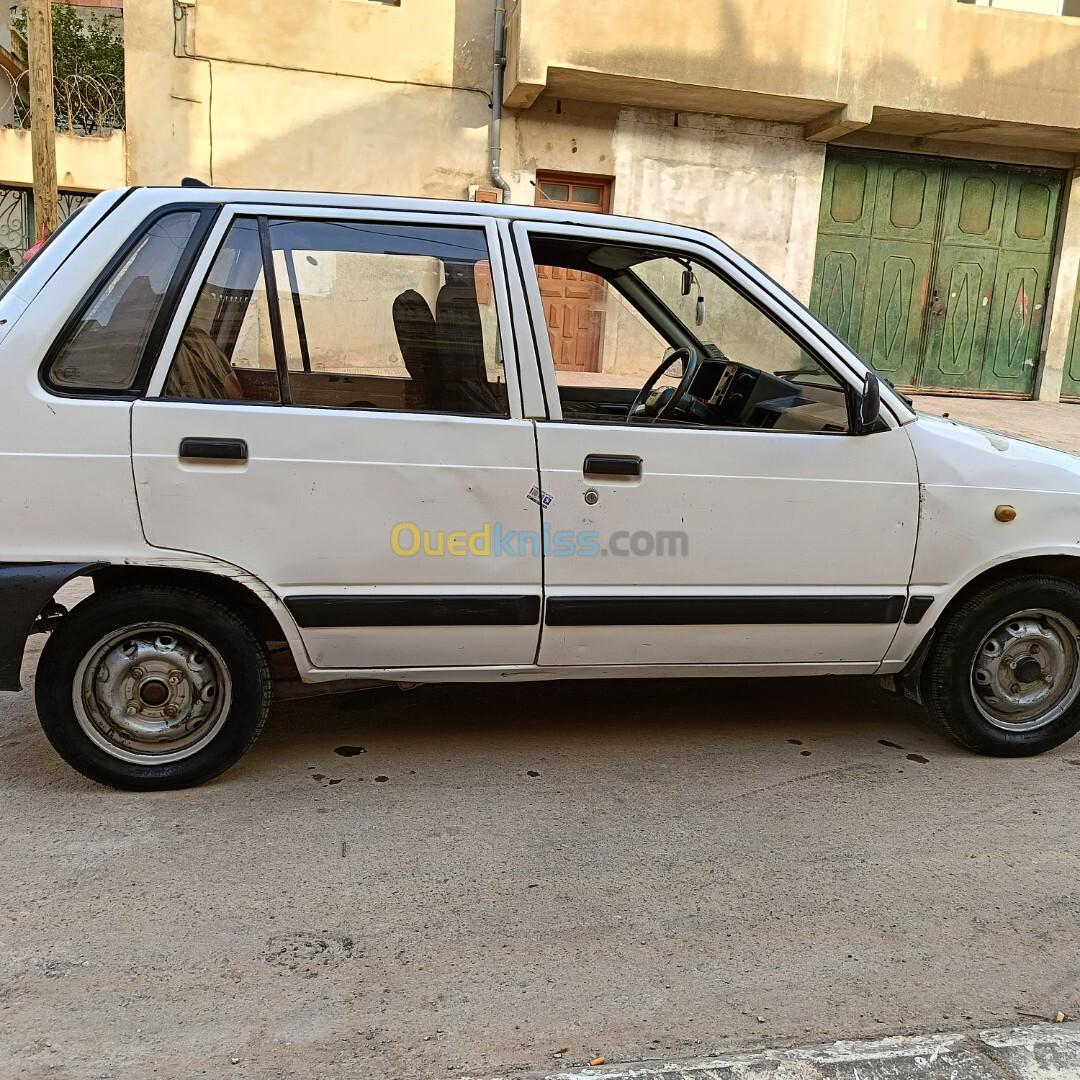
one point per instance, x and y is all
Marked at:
(712, 312)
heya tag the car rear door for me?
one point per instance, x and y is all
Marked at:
(336, 412)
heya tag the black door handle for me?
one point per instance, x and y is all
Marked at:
(612, 465)
(214, 449)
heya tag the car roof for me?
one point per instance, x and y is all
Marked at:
(340, 201)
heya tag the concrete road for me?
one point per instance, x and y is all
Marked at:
(504, 873)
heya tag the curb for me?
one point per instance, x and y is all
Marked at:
(1035, 1052)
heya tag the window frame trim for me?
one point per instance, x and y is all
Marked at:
(273, 311)
(752, 291)
(230, 212)
(144, 371)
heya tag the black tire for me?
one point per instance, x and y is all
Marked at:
(242, 653)
(948, 692)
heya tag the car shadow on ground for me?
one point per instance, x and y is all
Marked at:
(652, 723)
(613, 718)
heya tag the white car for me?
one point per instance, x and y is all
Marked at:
(429, 441)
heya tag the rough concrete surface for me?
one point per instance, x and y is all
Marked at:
(643, 870)
(1035, 1052)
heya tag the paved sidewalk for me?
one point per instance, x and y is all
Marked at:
(1040, 421)
(1037, 1052)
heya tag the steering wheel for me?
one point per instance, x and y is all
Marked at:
(659, 404)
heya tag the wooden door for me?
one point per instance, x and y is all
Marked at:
(573, 301)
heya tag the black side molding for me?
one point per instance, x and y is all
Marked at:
(722, 610)
(917, 607)
(214, 449)
(25, 588)
(323, 612)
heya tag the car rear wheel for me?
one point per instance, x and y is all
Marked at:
(1003, 676)
(152, 688)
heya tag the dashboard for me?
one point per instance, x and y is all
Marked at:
(740, 396)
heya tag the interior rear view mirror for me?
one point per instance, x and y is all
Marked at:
(687, 282)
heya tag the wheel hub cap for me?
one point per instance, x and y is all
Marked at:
(1025, 672)
(152, 693)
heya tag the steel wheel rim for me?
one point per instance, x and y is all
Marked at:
(152, 693)
(1026, 672)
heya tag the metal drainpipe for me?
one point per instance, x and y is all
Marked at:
(498, 72)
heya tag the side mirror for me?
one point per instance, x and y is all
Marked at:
(868, 405)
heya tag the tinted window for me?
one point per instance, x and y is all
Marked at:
(105, 349)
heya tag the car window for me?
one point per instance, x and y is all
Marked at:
(104, 350)
(226, 352)
(372, 316)
(614, 312)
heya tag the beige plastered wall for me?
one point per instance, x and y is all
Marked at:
(82, 164)
(1063, 294)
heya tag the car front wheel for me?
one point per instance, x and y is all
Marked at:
(150, 688)
(1003, 675)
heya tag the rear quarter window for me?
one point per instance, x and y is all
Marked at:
(102, 349)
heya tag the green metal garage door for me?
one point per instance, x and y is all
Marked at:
(1070, 382)
(937, 271)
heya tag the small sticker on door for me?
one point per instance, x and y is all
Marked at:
(540, 498)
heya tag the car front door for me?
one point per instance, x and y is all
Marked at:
(336, 413)
(688, 544)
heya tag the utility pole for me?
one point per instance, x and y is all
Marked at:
(42, 116)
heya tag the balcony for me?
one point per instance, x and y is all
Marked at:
(917, 69)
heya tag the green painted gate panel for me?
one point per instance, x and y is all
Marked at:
(837, 286)
(895, 295)
(1022, 289)
(959, 312)
(936, 271)
(959, 318)
(1070, 381)
(1016, 323)
(878, 216)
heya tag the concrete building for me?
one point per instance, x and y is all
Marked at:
(909, 168)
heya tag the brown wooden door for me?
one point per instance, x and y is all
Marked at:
(573, 301)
